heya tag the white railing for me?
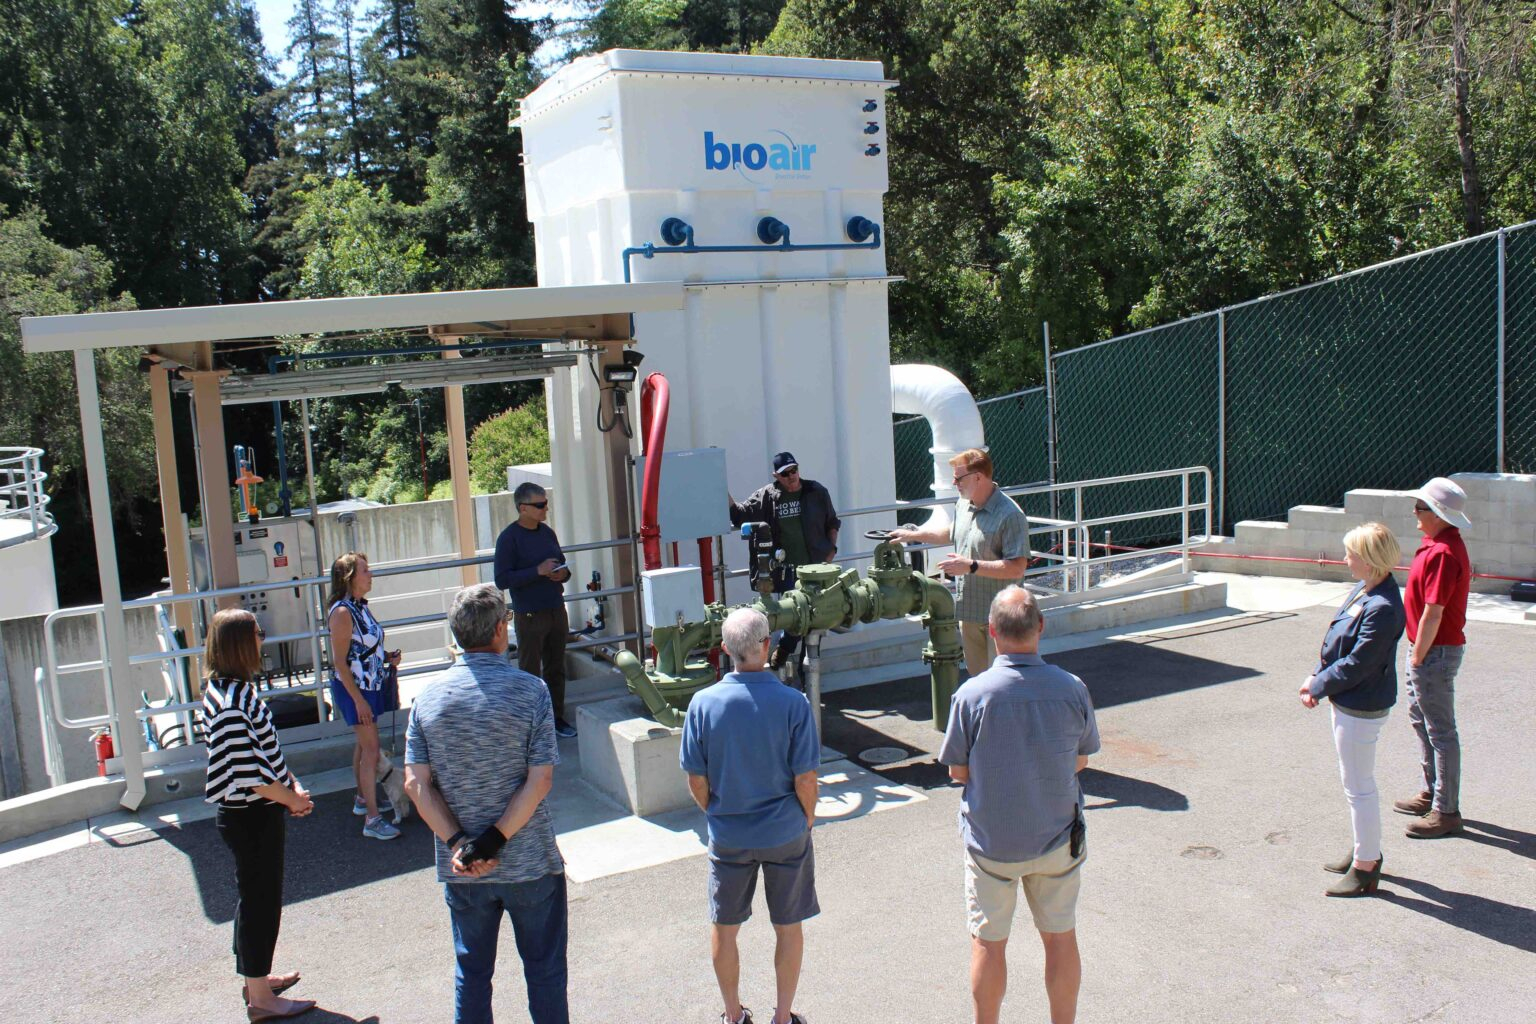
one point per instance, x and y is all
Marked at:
(1069, 551)
(23, 497)
(1068, 572)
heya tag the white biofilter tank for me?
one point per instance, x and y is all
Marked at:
(776, 350)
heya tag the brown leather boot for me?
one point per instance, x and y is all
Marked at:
(1434, 825)
(1418, 806)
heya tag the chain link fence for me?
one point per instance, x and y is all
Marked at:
(1379, 378)
(1520, 351)
(1137, 404)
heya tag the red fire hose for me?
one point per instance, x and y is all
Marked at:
(655, 397)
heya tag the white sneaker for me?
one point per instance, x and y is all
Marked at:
(378, 828)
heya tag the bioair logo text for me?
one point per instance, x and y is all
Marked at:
(786, 156)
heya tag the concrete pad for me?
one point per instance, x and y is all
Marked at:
(1211, 806)
(630, 757)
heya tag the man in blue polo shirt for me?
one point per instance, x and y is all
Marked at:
(751, 753)
(1018, 735)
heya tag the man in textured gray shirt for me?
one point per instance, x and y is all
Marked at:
(1018, 735)
(480, 758)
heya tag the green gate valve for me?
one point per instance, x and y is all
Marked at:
(826, 596)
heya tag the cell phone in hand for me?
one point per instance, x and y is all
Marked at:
(560, 568)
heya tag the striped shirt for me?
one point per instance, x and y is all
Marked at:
(242, 743)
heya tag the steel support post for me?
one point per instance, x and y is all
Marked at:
(127, 736)
(1050, 417)
(1499, 459)
(1221, 424)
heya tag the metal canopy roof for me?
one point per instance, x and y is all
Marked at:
(334, 381)
(575, 311)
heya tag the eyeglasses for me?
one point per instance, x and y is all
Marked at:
(791, 471)
(1419, 506)
(962, 476)
(536, 504)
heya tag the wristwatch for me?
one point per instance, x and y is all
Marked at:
(973, 567)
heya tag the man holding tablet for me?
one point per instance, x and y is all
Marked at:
(531, 567)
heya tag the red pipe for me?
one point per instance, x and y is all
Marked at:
(655, 398)
(707, 564)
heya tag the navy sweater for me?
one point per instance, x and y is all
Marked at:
(1357, 665)
(519, 551)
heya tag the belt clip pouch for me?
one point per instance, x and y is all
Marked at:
(1079, 833)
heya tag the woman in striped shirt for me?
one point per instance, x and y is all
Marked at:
(252, 786)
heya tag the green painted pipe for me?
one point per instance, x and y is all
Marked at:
(826, 596)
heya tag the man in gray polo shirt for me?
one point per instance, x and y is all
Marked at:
(480, 758)
(1018, 735)
(991, 538)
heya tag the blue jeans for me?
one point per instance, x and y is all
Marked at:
(538, 914)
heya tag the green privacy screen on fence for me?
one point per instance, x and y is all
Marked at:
(1381, 378)
(1147, 402)
(1520, 351)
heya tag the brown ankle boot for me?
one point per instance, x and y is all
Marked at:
(1418, 806)
(1434, 825)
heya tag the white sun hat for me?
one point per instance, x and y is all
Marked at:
(1446, 500)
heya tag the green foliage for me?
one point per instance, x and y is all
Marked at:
(517, 437)
(1105, 165)
(357, 241)
(730, 26)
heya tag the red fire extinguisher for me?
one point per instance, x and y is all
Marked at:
(101, 739)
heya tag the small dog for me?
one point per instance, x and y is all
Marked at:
(392, 780)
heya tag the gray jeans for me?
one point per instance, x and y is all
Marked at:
(1432, 712)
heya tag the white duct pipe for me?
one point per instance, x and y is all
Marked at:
(938, 396)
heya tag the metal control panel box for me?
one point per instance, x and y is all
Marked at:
(273, 551)
(694, 500)
(667, 594)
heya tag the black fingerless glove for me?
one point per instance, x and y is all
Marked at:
(484, 846)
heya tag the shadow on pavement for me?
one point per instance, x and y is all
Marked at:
(1501, 922)
(1124, 791)
(1500, 838)
(1123, 671)
(320, 1015)
(325, 853)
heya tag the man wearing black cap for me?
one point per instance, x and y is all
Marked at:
(804, 525)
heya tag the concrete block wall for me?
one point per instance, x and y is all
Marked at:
(1501, 540)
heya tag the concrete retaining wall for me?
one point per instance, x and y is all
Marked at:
(1500, 542)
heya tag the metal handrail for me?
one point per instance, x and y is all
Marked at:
(159, 601)
(23, 474)
(1080, 565)
(1074, 562)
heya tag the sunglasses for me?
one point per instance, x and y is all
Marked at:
(791, 471)
(1419, 506)
(536, 504)
(962, 476)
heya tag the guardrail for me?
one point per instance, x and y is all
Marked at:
(1071, 556)
(23, 495)
(1070, 560)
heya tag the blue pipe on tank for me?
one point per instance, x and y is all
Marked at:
(773, 232)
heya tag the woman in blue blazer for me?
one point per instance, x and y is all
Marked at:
(1357, 672)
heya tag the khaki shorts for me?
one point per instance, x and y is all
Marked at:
(1050, 885)
(980, 648)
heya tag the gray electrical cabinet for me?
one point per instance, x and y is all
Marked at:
(694, 501)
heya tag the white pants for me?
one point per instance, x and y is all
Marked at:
(1355, 740)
